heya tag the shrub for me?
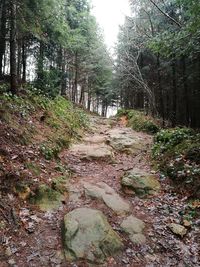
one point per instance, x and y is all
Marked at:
(122, 112)
(166, 140)
(177, 153)
(50, 151)
(138, 121)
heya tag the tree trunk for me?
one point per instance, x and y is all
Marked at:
(161, 102)
(63, 69)
(13, 48)
(19, 59)
(75, 87)
(24, 58)
(81, 100)
(89, 99)
(186, 95)
(3, 15)
(40, 71)
(174, 92)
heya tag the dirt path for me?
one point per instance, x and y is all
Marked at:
(100, 157)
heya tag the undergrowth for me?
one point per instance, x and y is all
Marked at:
(138, 121)
(59, 118)
(177, 154)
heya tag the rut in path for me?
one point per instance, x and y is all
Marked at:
(139, 214)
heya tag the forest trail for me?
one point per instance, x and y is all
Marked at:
(111, 173)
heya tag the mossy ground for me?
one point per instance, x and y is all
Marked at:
(138, 121)
(177, 154)
(34, 130)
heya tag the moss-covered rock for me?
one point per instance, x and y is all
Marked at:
(177, 229)
(47, 198)
(88, 236)
(140, 182)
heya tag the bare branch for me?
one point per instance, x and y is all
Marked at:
(165, 14)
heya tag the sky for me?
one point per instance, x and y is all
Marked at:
(110, 14)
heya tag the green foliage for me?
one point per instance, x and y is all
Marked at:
(33, 167)
(138, 121)
(60, 184)
(157, 52)
(165, 140)
(50, 151)
(177, 153)
(50, 83)
(62, 115)
(122, 112)
(61, 120)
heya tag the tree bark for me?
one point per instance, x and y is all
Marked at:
(19, 59)
(13, 49)
(63, 69)
(75, 87)
(174, 92)
(186, 94)
(161, 102)
(24, 59)
(3, 15)
(40, 71)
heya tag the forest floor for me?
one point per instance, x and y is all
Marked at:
(32, 237)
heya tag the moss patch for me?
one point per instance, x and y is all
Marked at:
(47, 198)
(138, 121)
(61, 184)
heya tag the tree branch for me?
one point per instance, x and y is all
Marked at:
(165, 14)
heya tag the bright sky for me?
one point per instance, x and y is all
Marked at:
(110, 14)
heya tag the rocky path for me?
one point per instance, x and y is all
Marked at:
(118, 211)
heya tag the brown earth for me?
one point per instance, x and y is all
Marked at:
(30, 237)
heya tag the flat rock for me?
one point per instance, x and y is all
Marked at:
(95, 139)
(104, 192)
(134, 227)
(88, 236)
(125, 141)
(138, 239)
(140, 182)
(92, 151)
(177, 229)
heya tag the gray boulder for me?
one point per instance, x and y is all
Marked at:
(134, 228)
(104, 192)
(140, 182)
(87, 235)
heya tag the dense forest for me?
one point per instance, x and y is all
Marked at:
(57, 47)
(158, 60)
